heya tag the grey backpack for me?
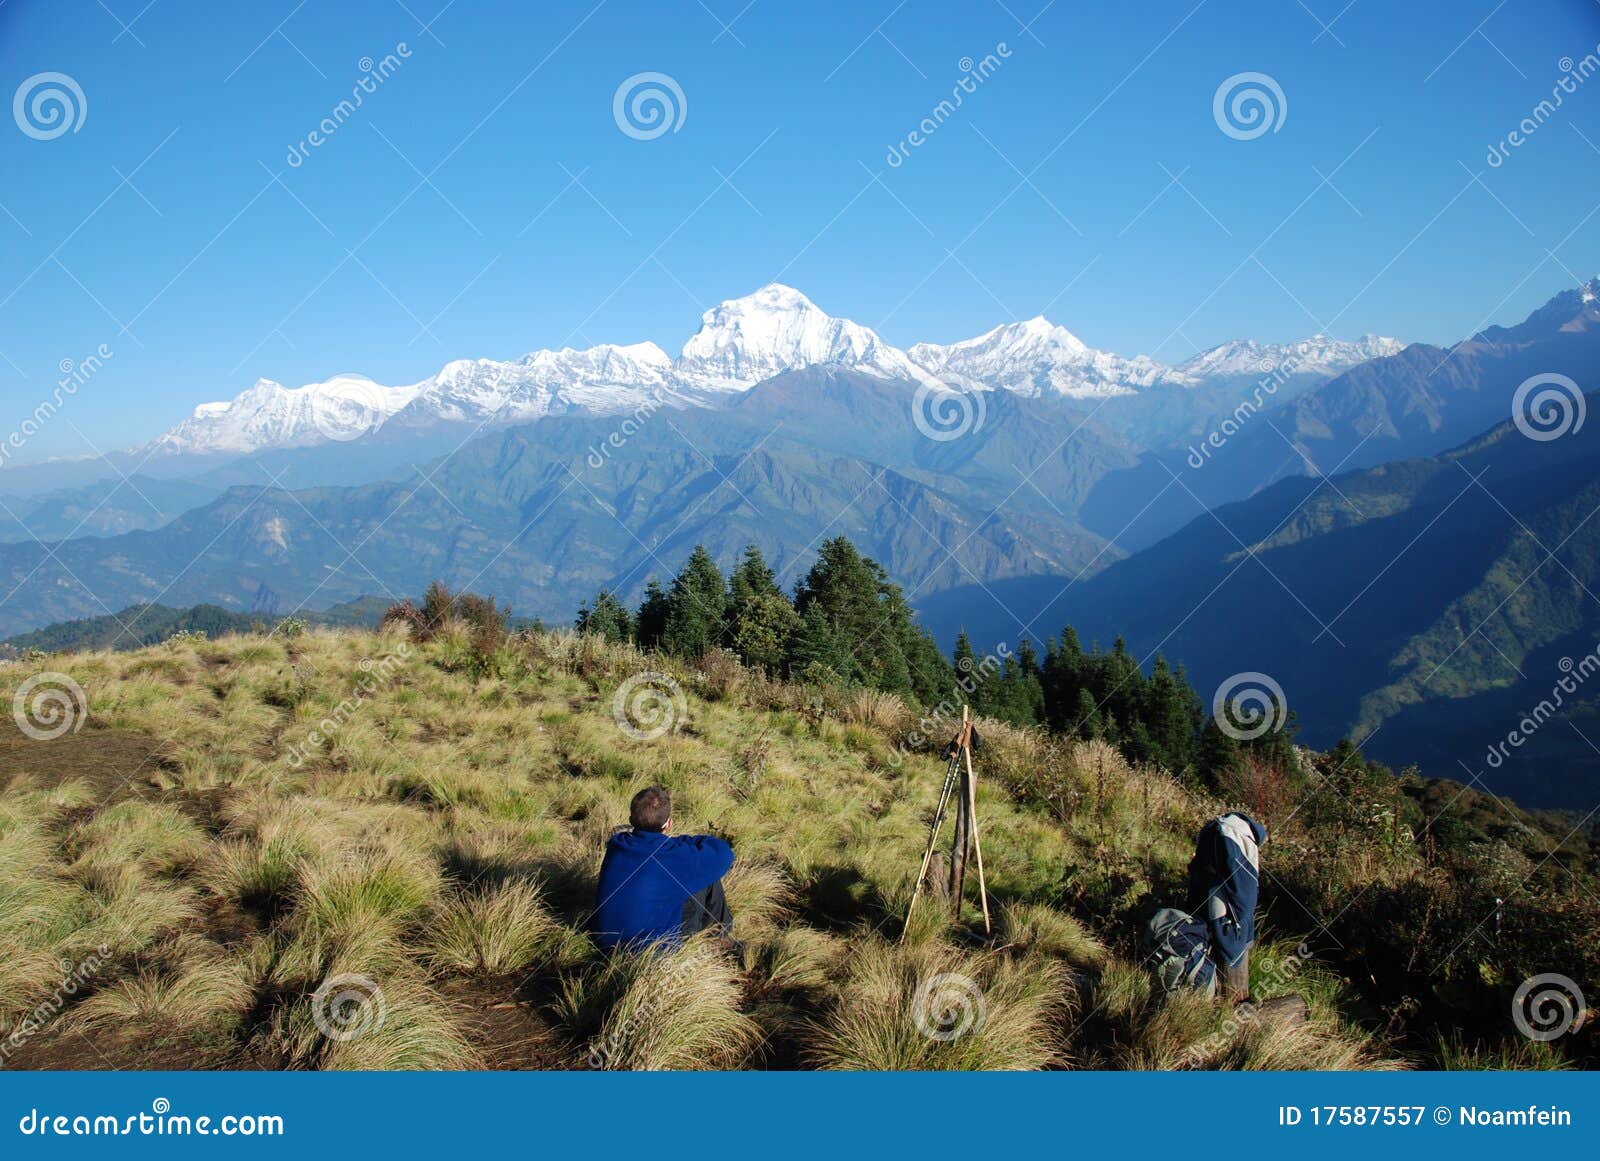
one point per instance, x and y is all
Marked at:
(1178, 950)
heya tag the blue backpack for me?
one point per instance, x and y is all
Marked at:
(1178, 950)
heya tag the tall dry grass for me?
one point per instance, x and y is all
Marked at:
(452, 827)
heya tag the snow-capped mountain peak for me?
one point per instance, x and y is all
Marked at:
(1036, 357)
(778, 329)
(268, 414)
(740, 343)
(1034, 340)
(1317, 355)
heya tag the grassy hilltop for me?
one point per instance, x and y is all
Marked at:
(254, 841)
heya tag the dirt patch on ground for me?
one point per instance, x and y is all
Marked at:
(508, 1031)
(77, 1050)
(504, 1026)
(115, 762)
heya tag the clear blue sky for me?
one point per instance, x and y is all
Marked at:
(203, 273)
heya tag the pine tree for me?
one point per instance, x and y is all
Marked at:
(1062, 680)
(969, 679)
(816, 652)
(1086, 716)
(696, 607)
(752, 578)
(868, 615)
(932, 679)
(651, 624)
(1031, 692)
(605, 617)
(763, 630)
(1216, 756)
(1169, 718)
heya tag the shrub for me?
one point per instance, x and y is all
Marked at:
(502, 929)
(927, 1006)
(653, 1010)
(200, 988)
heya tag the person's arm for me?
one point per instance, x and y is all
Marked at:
(1231, 914)
(699, 860)
(1208, 882)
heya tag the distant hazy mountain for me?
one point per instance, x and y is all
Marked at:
(545, 514)
(141, 625)
(1418, 401)
(1425, 607)
(104, 508)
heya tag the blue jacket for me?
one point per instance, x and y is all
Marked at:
(645, 880)
(1225, 883)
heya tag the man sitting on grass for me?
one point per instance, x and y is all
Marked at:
(657, 887)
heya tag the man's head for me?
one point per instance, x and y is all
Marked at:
(651, 809)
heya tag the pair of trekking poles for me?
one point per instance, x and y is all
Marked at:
(960, 783)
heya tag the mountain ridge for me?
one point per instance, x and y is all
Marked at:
(740, 342)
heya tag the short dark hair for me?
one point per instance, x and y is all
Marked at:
(650, 809)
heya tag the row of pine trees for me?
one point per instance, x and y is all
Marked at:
(848, 624)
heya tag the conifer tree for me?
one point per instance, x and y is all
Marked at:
(816, 652)
(763, 630)
(696, 607)
(1031, 691)
(605, 617)
(651, 624)
(1085, 721)
(1217, 754)
(751, 578)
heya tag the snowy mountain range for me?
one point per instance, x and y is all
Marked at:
(740, 343)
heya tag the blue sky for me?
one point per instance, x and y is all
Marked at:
(1086, 178)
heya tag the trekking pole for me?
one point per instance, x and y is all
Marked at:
(961, 846)
(933, 837)
(977, 845)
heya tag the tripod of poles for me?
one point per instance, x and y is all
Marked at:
(960, 784)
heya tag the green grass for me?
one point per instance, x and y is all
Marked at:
(443, 843)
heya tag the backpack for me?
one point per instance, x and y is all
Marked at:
(1178, 950)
